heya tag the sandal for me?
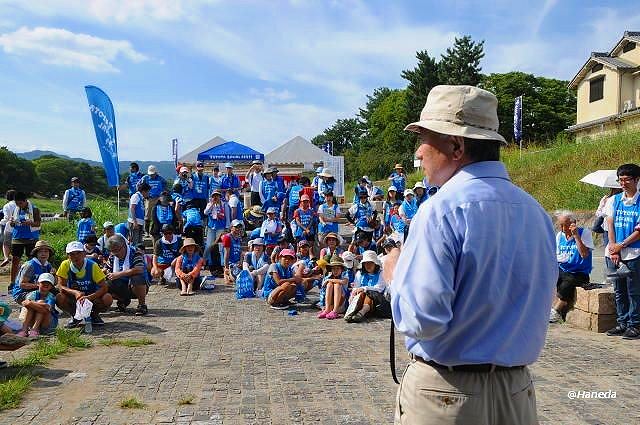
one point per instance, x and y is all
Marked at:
(332, 315)
(322, 315)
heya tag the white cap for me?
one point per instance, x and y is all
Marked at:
(408, 192)
(348, 257)
(74, 246)
(228, 165)
(419, 184)
(236, 223)
(47, 277)
(151, 169)
(107, 224)
(392, 188)
(184, 169)
(370, 256)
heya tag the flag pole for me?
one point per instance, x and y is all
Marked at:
(118, 190)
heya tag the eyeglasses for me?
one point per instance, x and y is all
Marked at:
(626, 179)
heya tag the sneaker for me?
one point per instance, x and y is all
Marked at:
(73, 323)
(96, 320)
(357, 318)
(554, 316)
(5, 262)
(618, 330)
(631, 333)
(281, 306)
(121, 306)
(142, 310)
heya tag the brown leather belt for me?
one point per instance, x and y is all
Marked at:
(473, 368)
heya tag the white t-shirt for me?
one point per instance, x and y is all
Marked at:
(254, 181)
(626, 253)
(134, 200)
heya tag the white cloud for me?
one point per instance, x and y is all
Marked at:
(272, 95)
(120, 11)
(58, 46)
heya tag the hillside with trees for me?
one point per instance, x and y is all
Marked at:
(374, 140)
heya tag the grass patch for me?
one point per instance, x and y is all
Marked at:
(129, 342)
(40, 353)
(12, 390)
(72, 338)
(131, 403)
(187, 399)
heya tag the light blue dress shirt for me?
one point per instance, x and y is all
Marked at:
(476, 276)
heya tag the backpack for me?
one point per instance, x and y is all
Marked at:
(244, 286)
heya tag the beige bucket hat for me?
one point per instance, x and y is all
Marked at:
(188, 242)
(464, 111)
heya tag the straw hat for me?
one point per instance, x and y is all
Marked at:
(464, 111)
(399, 166)
(337, 261)
(256, 211)
(42, 244)
(333, 235)
(188, 242)
(370, 256)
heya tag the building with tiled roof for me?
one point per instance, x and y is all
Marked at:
(608, 89)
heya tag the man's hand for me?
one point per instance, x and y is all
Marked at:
(573, 229)
(615, 259)
(615, 248)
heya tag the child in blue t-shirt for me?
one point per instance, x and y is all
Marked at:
(42, 315)
(86, 225)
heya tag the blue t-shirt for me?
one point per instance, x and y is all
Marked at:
(157, 183)
(49, 299)
(86, 227)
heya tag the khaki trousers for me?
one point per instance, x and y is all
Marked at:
(438, 396)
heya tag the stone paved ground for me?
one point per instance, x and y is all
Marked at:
(245, 363)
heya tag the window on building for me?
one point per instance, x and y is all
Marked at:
(629, 46)
(596, 89)
(597, 67)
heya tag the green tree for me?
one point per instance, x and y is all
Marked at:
(344, 134)
(549, 106)
(461, 63)
(15, 172)
(386, 142)
(421, 80)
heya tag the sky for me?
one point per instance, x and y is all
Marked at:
(256, 72)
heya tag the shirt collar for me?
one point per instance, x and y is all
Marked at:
(476, 170)
(632, 200)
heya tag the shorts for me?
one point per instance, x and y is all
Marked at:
(25, 247)
(121, 288)
(308, 237)
(568, 282)
(53, 324)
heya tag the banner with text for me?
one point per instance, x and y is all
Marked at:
(104, 124)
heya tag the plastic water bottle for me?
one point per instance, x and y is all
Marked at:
(88, 326)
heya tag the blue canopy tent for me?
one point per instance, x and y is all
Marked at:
(230, 151)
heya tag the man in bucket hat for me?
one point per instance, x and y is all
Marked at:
(470, 294)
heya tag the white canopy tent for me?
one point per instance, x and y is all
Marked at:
(298, 154)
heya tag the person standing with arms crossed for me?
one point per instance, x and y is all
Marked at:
(473, 286)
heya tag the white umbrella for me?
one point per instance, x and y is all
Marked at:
(602, 178)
